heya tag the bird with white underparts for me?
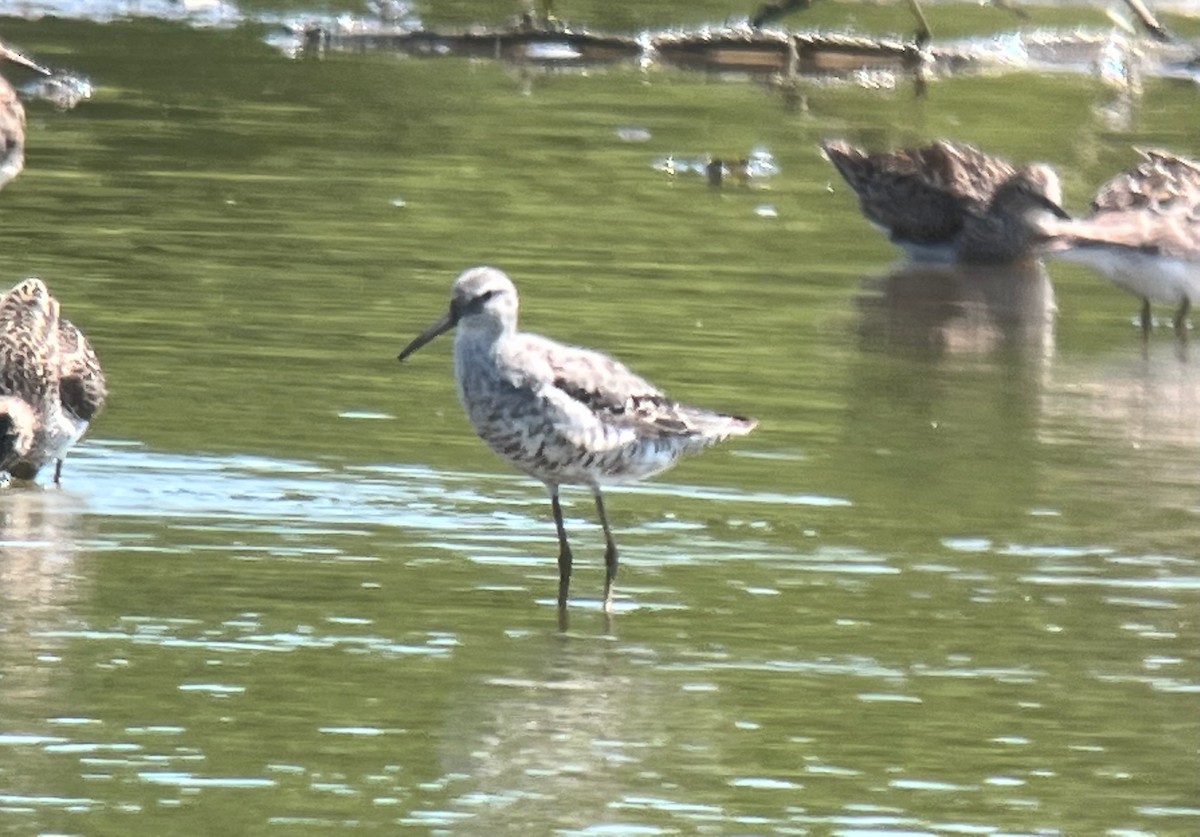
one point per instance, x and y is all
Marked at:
(562, 414)
(1143, 233)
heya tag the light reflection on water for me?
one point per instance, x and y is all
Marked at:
(573, 717)
(578, 716)
(286, 496)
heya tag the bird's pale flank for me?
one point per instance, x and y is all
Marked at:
(1143, 233)
(562, 414)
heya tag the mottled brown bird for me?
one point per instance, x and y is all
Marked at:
(1143, 233)
(51, 383)
(949, 201)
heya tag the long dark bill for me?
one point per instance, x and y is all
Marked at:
(1053, 208)
(447, 322)
(25, 61)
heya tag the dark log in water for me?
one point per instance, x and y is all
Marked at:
(743, 49)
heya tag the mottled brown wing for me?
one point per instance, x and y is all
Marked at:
(82, 386)
(1162, 180)
(620, 398)
(1174, 234)
(29, 353)
(966, 171)
(920, 194)
(612, 392)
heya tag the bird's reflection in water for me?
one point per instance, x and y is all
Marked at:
(563, 717)
(1146, 402)
(936, 309)
(39, 586)
(951, 362)
(1137, 418)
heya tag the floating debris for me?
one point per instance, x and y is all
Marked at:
(552, 52)
(633, 134)
(524, 42)
(366, 415)
(666, 165)
(757, 165)
(741, 48)
(726, 50)
(738, 49)
(761, 163)
(1118, 63)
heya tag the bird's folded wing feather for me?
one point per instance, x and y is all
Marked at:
(1158, 233)
(29, 352)
(921, 194)
(596, 388)
(1163, 180)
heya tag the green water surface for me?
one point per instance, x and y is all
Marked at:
(950, 585)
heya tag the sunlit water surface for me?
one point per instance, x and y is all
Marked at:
(951, 585)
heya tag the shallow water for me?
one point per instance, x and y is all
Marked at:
(949, 586)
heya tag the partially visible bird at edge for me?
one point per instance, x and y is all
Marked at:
(949, 201)
(562, 414)
(12, 119)
(51, 383)
(1143, 233)
(12, 133)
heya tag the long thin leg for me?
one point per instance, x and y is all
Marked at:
(923, 33)
(1160, 32)
(1180, 320)
(564, 549)
(771, 11)
(610, 553)
(58, 472)
(1147, 319)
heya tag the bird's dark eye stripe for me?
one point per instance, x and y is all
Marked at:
(472, 305)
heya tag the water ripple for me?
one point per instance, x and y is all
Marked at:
(281, 496)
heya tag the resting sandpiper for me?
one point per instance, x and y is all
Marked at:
(563, 414)
(949, 201)
(51, 384)
(1143, 233)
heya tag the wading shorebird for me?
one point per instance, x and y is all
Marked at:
(949, 201)
(12, 118)
(1143, 233)
(563, 414)
(51, 384)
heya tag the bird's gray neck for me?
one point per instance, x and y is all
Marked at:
(476, 352)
